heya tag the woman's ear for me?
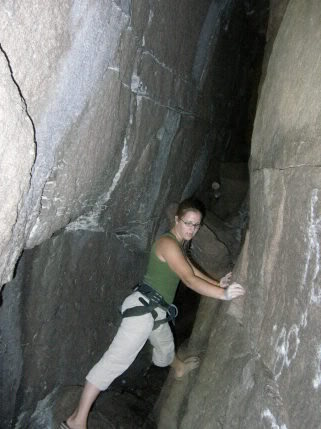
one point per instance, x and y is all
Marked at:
(176, 219)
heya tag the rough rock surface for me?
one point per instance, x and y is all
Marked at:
(108, 98)
(107, 110)
(261, 353)
(17, 137)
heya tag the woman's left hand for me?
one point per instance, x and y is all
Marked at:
(233, 291)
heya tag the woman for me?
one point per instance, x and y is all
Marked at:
(144, 311)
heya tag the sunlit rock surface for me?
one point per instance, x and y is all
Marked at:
(261, 353)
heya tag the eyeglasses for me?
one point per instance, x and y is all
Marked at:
(191, 224)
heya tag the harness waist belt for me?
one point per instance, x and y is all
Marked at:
(152, 294)
(155, 300)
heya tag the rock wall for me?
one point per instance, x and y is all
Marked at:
(106, 116)
(95, 92)
(261, 354)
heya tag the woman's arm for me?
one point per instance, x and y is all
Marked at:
(168, 250)
(203, 276)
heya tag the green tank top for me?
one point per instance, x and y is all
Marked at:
(159, 276)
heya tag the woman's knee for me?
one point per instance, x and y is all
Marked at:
(163, 346)
(164, 356)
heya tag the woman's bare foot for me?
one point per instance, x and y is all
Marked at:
(183, 367)
(74, 424)
(78, 419)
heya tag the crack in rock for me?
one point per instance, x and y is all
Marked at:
(289, 167)
(21, 96)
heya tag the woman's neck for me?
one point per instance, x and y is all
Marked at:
(178, 237)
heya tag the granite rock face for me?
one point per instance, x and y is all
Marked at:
(261, 353)
(16, 161)
(104, 97)
(107, 115)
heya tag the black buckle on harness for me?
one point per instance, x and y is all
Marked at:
(172, 312)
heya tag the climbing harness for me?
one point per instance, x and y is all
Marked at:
(155, 300)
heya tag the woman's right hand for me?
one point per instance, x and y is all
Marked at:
(233, 291)
(225, 281)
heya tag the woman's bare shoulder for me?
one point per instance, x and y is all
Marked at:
(165, 246)
(167, 240)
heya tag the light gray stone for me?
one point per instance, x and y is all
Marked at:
(101, 64)
(16, 162)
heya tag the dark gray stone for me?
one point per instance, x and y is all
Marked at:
(261, 363)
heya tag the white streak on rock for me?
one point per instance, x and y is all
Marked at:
(113, 68)
(292, 344)
(317, 378)
(271, 419)
(90, 221)
(304, 319)
(311, 231)
(290, 341)
(286, 348)
(280, 348)
(135, 83)
(150, 17)
(164, 66)
(274, 244)
(313, 259)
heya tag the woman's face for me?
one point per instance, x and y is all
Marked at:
(188, 224)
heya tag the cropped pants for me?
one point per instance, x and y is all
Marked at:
(129, 340)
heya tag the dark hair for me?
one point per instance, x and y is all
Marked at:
(190, 204)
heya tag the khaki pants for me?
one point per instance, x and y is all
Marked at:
(129, 340)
